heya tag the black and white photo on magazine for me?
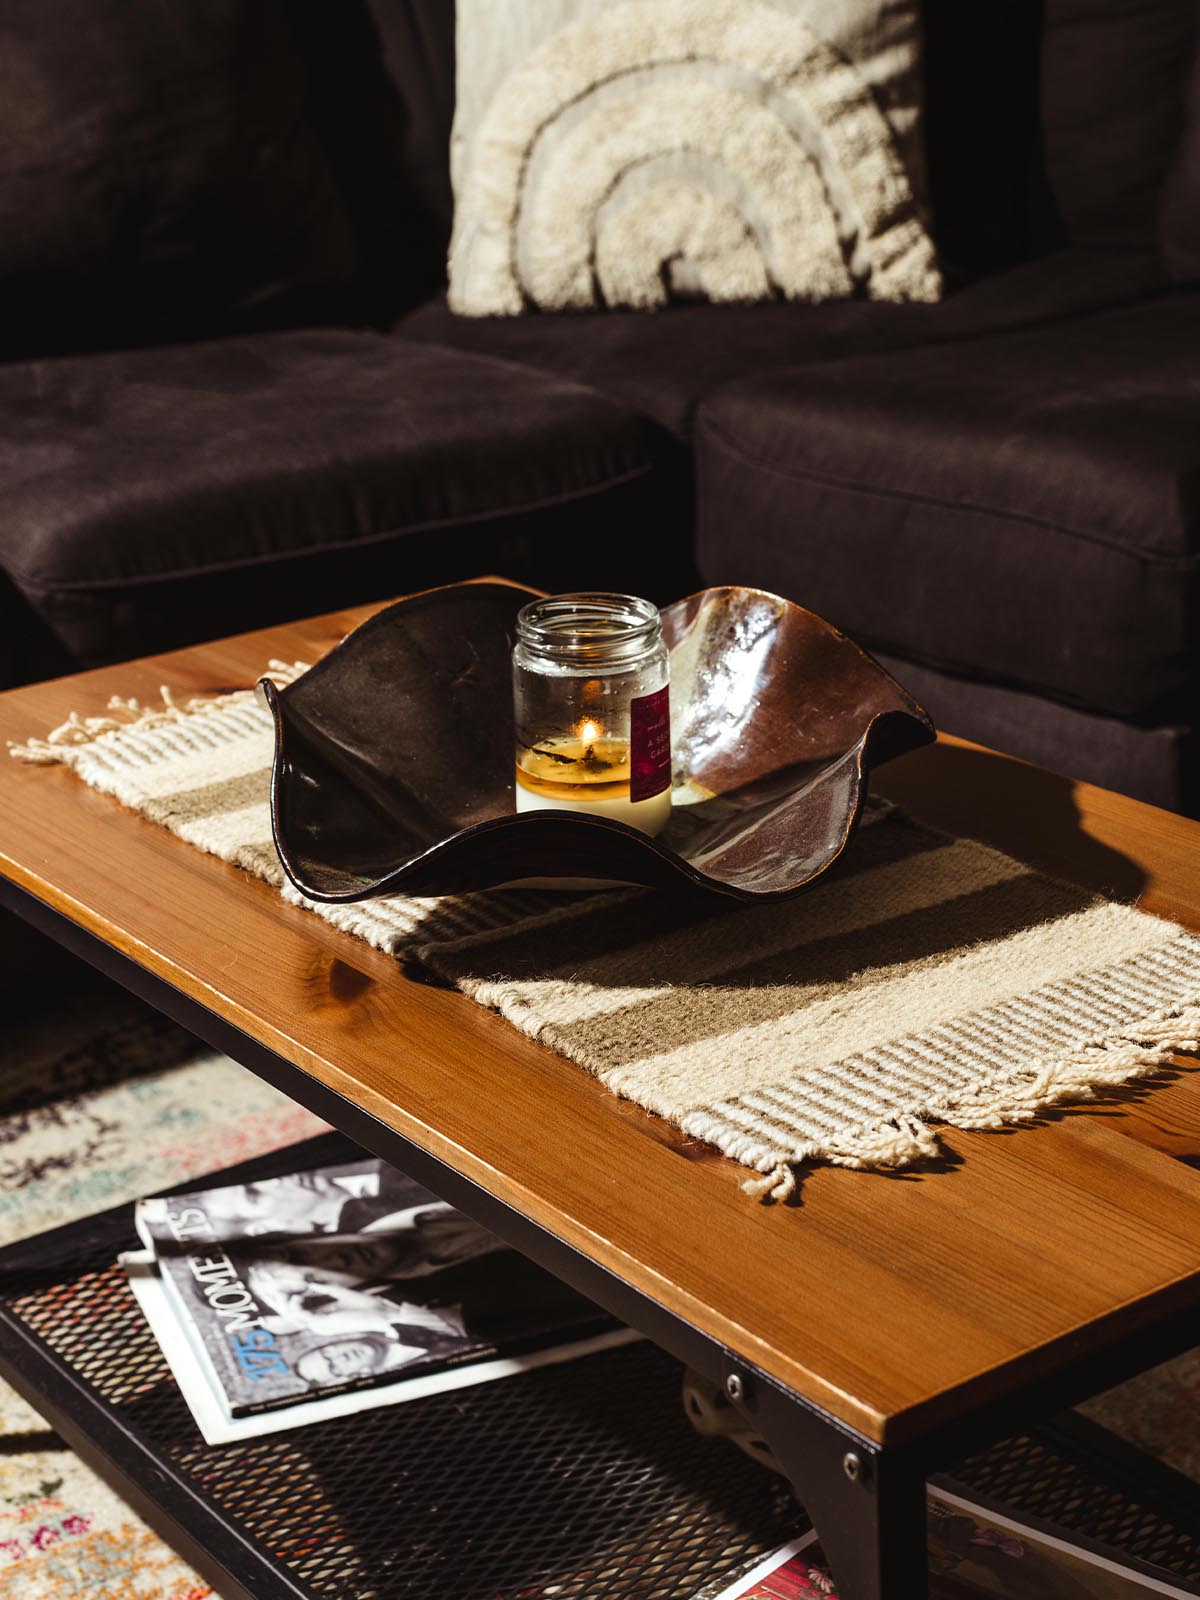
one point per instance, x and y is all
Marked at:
(346, 1276)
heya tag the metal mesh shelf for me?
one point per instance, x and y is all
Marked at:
(1080, 1482)
(579, 1482)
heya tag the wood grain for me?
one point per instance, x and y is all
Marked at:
(894, 1302)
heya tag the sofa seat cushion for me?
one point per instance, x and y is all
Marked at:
(663, 363)
(153, 496)
(1023, 510)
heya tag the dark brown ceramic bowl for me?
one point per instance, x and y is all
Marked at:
(394, 755)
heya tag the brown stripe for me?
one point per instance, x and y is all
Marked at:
(592, 935)
(770, 989)
(210, 799)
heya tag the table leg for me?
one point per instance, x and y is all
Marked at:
(875, 1538)
(867, 1504)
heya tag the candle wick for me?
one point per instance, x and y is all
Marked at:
(550, 755)
(592, 762)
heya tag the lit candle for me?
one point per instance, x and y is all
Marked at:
(590, 679)
(585, 771)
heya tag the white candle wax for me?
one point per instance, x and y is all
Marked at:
(650, 816)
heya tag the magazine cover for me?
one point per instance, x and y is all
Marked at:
(973, 1555)
(342, 1278)
(355, 1197)
(194, 1376)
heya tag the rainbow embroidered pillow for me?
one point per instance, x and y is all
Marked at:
(633, 152)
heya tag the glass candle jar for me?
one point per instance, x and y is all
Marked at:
(593, 719)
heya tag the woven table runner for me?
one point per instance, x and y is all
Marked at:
(927, 979)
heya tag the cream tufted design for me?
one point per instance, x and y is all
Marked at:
(721, 144)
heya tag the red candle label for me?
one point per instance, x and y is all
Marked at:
(650, 744)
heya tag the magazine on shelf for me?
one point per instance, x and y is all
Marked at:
(295, 1291)
(975, 1553)
(354, 1197)
(218, 1427)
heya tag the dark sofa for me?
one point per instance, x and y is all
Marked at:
(233, 392)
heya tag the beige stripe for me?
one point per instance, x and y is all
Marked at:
(142, 745)
(198, 769)
(260, 857)
(230, 832)
(934, 1076)
(861, 1017)
(696, 955)
(395, 922)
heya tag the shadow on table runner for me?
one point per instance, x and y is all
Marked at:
(925, 979)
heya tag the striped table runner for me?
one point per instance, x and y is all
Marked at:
(926, 980)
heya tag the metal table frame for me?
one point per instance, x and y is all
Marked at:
(866, 1501)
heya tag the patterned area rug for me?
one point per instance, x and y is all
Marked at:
(104, 1100)
(1159, 1412)
(99, 1102)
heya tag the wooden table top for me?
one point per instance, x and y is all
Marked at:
(897, 1302)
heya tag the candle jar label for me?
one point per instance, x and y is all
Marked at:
(650, 744)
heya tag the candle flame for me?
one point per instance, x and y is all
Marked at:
(588, 732)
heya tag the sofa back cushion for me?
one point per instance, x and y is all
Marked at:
(991, 201)
(382, 99)
(158, 176)
(1115, 76)
(1180, 214)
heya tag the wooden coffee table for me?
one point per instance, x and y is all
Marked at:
(874, 1331)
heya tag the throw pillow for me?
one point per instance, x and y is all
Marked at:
(628, 152)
